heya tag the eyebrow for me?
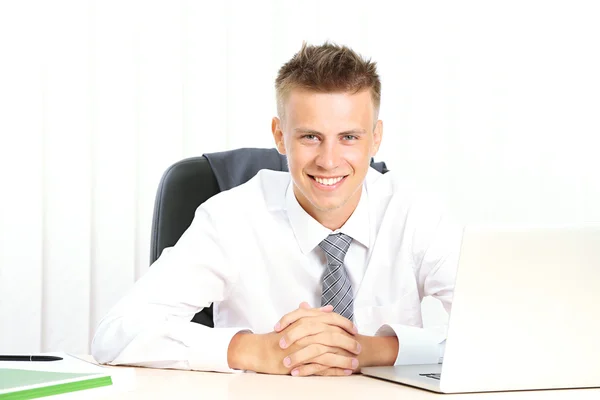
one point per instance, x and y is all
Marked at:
(313, 132)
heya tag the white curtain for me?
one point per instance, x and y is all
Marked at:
(493, 107)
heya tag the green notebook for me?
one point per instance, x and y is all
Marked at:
(30, 383)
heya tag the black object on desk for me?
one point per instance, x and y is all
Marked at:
(30, 358)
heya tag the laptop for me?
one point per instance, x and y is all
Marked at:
(525, 315)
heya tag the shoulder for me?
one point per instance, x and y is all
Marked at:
(406, 214)
(392, 195)
(266, 190)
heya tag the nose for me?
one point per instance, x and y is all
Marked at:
(328, 156)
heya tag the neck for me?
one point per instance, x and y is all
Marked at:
(332, 220)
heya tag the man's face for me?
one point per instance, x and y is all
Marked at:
(329, 139)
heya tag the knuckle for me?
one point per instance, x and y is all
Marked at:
(322, 349)
(307, 370)
(341, 336)
(303, 355)
(293, 334)
(314, 349)
(333, 337)
(292, 317)
(337, 330)
(313, 325)
(331, 317)
(343, 340)
(328, 358)
(346, 340)
(340, 330)
(337, 350)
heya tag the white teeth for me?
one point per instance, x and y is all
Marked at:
(329, 181)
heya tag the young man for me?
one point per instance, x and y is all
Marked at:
(319, 271)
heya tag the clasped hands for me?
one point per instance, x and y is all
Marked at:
(318, 342)
(306, 341)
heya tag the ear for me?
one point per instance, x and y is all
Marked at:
(377, 136)
(276, 128)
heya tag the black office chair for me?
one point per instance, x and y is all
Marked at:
(184, 186)
(190, 182)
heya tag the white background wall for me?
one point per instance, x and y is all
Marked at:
(492, 106)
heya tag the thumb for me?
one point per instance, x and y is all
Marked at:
(305, 306)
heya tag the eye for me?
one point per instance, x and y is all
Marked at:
(309, 137)
(350, 137)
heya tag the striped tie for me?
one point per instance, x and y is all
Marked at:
(337, 288)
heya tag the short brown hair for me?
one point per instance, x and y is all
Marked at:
(328, 68)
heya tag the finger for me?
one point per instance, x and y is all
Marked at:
(331, 338)
(308, 369)
(319, 324)
(317, 369)
(305, 354)
(295, 315)
(305, 306)
(300, 331)
(335, 360)
(335, 372)
(336, 319)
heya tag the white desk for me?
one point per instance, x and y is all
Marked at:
(172, 384)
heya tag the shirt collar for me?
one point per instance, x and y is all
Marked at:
(309, 233)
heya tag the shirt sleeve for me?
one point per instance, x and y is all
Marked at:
(436, 259)
(151, 326)
(415, 345)
(436, 247)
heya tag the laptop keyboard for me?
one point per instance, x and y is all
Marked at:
(432, 376)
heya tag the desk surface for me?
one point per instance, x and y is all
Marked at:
(168, 384)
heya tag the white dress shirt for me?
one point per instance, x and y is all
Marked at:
(253, 252)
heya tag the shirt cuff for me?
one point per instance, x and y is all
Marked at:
(415, 345)
(208, 347)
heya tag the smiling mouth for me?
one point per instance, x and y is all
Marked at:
(328, 181)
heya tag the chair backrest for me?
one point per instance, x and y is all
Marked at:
(184, 186)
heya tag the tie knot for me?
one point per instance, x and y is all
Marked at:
(335, 247)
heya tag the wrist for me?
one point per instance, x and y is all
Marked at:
(241, 351)
(378, 350)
